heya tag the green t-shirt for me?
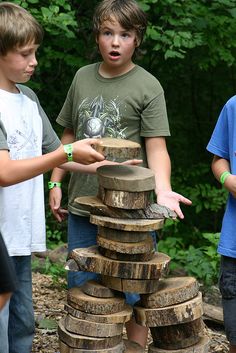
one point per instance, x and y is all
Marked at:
(131, 106)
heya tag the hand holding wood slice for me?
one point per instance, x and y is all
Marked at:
(114, 148)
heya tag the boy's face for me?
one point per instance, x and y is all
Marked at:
(116, 46)
(17, 66)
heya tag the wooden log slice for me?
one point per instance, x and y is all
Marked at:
(132, 347)
(122, 235)
(130, 285)
(118, 148)
(201, 347)
(112, 254)
(171, 291)
(64, 348)
(116, 318)
(177, 336)
(140, 247)
(79, 300)
(89, 259)
(96, 289)
(170, 315)
(85, 342)
(126, 178)
(124, 199)
(92, 328)
(130, 225)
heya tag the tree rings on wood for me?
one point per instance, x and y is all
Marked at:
(85, 342)
(170, 315)
(96, 289)
(115, 318)
(112, 254)
(126, 178)
(64, 348)
(92, 328)
(79, 300)
(140, 247)
(201, 347)
(171, 291)
(130, 225)
(122, 235)
(89, 259)
(131, 285)
(114, 148)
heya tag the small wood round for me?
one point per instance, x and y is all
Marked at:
(126, 178)
(131, 225)
(122, 235)
(96, 289)
(112, 254)
(201, 347)
(140, 247)
(131, 285)
(64, 348)
(118, 148)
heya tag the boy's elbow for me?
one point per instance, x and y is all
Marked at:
(4, 180)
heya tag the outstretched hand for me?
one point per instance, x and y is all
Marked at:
(172, 200)
(84, 153)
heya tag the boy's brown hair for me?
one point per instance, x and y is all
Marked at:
(127, 12)
(17, 28)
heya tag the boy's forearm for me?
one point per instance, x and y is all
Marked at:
(219, 165)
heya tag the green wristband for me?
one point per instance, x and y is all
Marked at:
(224, 176)
(53, 184)
(69, 151)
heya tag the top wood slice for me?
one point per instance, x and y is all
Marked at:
(118, 148)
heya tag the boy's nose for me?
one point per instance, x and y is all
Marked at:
(115, 40)
(33, 61)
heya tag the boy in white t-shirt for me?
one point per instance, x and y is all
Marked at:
(25, 135)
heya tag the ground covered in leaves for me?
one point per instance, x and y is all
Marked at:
(49, 298)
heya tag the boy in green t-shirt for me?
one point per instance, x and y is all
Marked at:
(115, 98)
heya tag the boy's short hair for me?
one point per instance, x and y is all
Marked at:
(127, 12)
(17, 28)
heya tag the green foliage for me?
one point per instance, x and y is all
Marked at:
(55, 270)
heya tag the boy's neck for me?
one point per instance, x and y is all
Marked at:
(11, 88)
(109, 72)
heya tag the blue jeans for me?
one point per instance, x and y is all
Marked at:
(82, 234)
(17, 317)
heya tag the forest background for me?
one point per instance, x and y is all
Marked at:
(190, 46)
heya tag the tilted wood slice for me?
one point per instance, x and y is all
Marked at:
(140, 247)
(131, 285)
(126, 178)
(114, 148)
(85, 342)
(115, 318)
(129, 225)
(177, 336)
(201, 347)
(79, 300)
(89, 259)
(64, 348)
(94, 205)
(91, 328)
(112, 254)
(171, 291)
(96, 289)
(170, 315)
(122, 235)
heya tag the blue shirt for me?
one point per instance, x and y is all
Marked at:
(223, 144)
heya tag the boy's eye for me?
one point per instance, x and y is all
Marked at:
(125, 35)
(107, 33)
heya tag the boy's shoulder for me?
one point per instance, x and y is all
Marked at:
(87, 68)
(231, 101)
(28, 92)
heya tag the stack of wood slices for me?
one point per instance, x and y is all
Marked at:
(126, 259)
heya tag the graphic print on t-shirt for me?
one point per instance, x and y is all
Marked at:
(98, 118)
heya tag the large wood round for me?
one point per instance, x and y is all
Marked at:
(86, 342)
(122, 235)
(114, 148)
(201, 347)
(131, 285)
(171, 291)
(129, 225)
(170, 315)
(64, 348)
(140, 247)
(124, 199)
(112, 254)
(126, 178)
(89, 259)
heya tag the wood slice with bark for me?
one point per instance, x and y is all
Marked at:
(89, 259)
(177, 336)
(202, 346)
(64, 348)
(115, 318)
(96, 289)
(114, 148)
(85, 342)
(171, 291)
(92, 328)
(124, 199)
(140, 247)
(130, 285)
(170, 315)
(112, 254)
(131, 225)
(79, 300)
(126, 178)
(122, 235)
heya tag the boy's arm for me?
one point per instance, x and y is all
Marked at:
(219, 166)
(159, 162)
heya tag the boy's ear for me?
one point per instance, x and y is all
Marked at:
(137, 42)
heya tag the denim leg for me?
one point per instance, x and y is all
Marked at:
(21, 313)
(4, 316)
(81, 234)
